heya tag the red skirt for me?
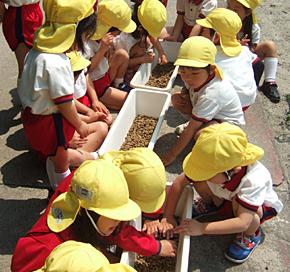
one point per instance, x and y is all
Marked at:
(102, 84)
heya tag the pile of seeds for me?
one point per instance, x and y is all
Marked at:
(161, 75)
(140, 132)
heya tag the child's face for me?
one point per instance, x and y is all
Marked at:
(194, 77)
(205, 32)
(107, 225)
(238, 8)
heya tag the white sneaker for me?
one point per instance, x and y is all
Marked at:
(179, 129)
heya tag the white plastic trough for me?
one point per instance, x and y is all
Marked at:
(142, 75)
(139, 102)
(183, 210)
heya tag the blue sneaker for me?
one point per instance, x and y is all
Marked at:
(124, 87)
(200, 208)
(242, 247)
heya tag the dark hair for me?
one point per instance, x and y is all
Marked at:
(77, 73)
(84, 231)
(112, 29)
(211, 32)
(248, 24)
(207, 68)
(88, 25)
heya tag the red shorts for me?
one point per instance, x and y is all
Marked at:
(186, 30)
(45, 133)
(19, 24)
(85, 101)
(101, 85)
(245, 108)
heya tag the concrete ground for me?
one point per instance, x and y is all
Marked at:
(23, 181)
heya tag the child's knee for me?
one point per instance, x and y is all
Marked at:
(122, 54)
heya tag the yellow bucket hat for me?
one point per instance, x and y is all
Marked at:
(152, 16)
(251, 4)
(219, 148)
(117, 267)
(78, 63)
(74, 257)
(57, 34)
(98, 186)
(198, 52)
(145, 176)
(113, 13)
(228, 24)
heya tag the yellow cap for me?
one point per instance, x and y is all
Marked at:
(198, 52)
(58, 32)
(78, 63)
(145, 176)
(219, 148)
(117, 267)
(228, 24)
(152, 16)
(251, 4)
(74, 257)
(113, 13)
(98, 186)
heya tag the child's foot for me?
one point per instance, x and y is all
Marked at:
(200, 208)
(242, 247)
(124, 87)
(270, 90)
(179, 129)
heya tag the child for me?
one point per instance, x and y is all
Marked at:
(46, 86)
(229, 176)
(114, 13)
(267, 51)
(185, 24)
(150, 18)
(81, 209)
(221, 26)
(75, 256)
(20, 21)
(135, 164)
(211, 95)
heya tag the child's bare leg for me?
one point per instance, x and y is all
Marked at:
(166, 32)
(118, 67)
(77, 157)
(20, 54)
(266, 49)
(113, 98)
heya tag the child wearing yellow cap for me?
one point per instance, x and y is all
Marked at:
(46, 86)
(208, 95)
(108, 68)
(267, 51)
(75, 256)
(222, 26)
(150, 17)
(188, 11)
(89, 205)
(20, 20)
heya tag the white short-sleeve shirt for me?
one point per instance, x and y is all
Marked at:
(256, 34)
(91, 48)
(45, 77)
(217, 100)
(254, 189)
(193, 12)
(19, 3)
(80, 87)
(125, 41)
(239, 70)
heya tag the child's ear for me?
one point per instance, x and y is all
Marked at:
(212, 68)
(217, 38)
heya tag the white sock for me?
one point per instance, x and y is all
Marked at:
(95, 154)
(59, 177)
(270, 69)
(118, 81)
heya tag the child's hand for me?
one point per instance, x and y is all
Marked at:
(182, 103)
(162, 60)
(151, 227)
(77, 141)
(168, 158)
(167, 226)
(169, 248)
(99, 106)
(190, 227)
(244, 40)
(83, 130)
(106, 41)
(148, 57)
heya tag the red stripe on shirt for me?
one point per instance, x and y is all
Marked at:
(63, 99)
(247, 205)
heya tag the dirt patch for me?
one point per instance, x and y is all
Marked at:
(140, 132)
(161, 75)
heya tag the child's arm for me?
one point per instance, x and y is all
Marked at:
(168, 221)
(177, 29)
(182, 142)
(162, 59)
(195, 30)
(105, 44)
(148, 57)
(96, 104)
(2, 11)
(68, 110)
(181, 101)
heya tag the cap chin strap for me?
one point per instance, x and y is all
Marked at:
(94, 224)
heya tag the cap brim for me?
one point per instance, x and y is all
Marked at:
(194, 173)
(54, 38)
(126, 212)
(230, 45)
(101, 31)
(81, 64)
(204, 23)
(190, 63)
(153, 206)
(129, 28)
